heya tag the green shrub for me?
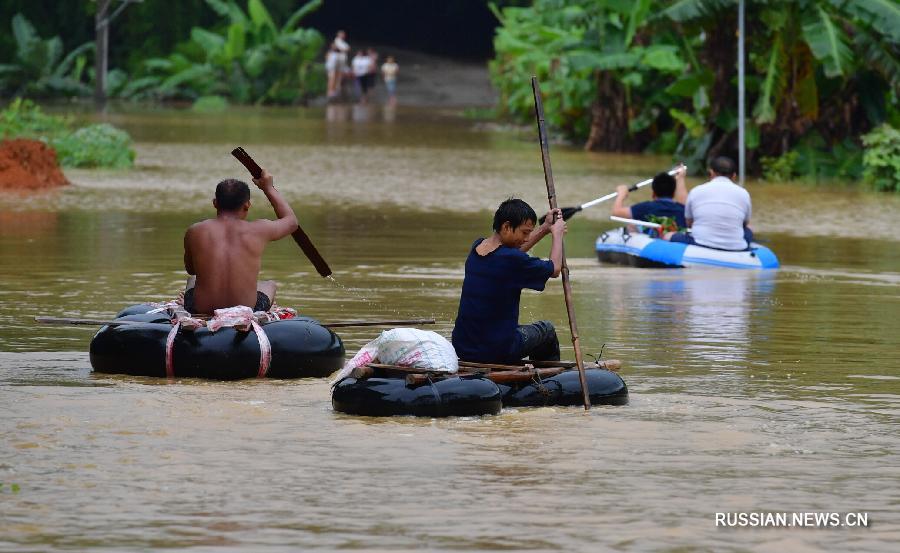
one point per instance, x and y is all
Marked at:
(881, 160)
(23, 119)
(210, 104)
(818, 160)
(95, 146)
(779, 169)
(91, 146)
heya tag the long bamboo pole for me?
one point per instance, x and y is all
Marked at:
(336, 324)
(551, 195)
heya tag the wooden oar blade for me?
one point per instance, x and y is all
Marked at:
(299, 236)
(311, 252)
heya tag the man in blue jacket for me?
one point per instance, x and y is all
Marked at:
(669, 196)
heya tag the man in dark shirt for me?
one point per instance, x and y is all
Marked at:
(669, 197)
(487, 326)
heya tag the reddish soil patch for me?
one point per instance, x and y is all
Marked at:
(29, 164)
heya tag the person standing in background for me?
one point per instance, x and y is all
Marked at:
(389, 72)
(342, 49)
(372, 75)
(333, 69)
(360, 66)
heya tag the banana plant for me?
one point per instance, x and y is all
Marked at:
(248, 58)
(39, 67)
(590, 55)
(804, 49)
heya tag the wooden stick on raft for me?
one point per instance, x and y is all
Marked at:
(551, 195)
(608, 364)
(497, 373)
(337, 324)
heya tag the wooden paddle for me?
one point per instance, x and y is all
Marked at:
(299, 236)
(551, 196)
(568, 212)
(338, 324)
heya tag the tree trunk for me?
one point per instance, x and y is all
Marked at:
(101, 54)
(609, 116)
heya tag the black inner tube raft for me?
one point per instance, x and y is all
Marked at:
(456, 396)
(385, 390)
(605, 387)
(301, 347)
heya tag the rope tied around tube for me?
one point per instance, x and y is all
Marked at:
(240, 317)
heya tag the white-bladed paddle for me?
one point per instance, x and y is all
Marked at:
(635, 222)
(568, 212)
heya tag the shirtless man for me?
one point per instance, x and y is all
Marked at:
(225, 254)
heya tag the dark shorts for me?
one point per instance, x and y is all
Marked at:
(263, 303)
(539, 341)
(685, 238)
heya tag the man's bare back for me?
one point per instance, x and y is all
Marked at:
(225, 253)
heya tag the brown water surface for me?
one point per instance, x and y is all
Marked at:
(776, 391)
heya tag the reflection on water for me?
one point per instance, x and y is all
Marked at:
(751, 391)
(712, 309)
(359, 113)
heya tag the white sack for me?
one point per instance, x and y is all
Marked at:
(407, 347)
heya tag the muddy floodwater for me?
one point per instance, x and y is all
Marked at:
(751, 392)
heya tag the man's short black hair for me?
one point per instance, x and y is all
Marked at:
(663, 185)
(515, 212)
(231, 194)
(724, 166)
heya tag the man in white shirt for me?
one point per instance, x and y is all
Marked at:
(361, 64)
(718, 212)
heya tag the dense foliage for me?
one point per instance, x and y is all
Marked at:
(882, 158)
(660, 75)
(243, 55)
(93, 146)
(39, 67)
(247, 58)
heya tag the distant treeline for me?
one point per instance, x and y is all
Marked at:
(148, 29)
(227, 50)
(261, 51)
(823, 79)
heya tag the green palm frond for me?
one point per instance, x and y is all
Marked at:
(25, 34)
(636, 18)
(689, 10)
(213, 44)
(298, 15)
(773, 84)
(883, 58)
(66, 64)
(827, 41)
(881, 15)
(230, 10)
(260, 16)
(53, 49)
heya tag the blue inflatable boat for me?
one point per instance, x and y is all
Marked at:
(636, 249)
